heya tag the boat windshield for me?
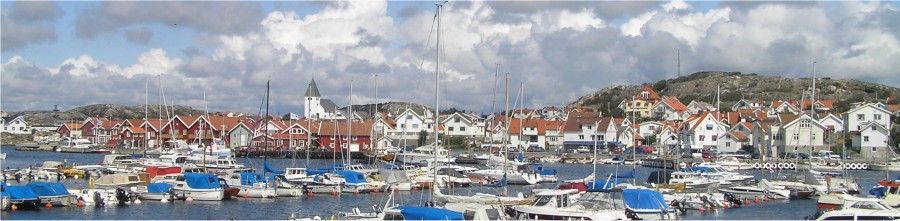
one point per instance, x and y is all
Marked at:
(870, 205)
(601, 200)
(542, 200)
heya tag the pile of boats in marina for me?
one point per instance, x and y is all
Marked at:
(665, 194)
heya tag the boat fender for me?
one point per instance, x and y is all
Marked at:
(865, 166)
(756, 166)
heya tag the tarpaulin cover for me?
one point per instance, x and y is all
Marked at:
(202, 181)
(21, 193)
(269, 169)
(159, 187)
(644, 199)
(48, 189)
(428, 213)
(248, 178)
(352, 177)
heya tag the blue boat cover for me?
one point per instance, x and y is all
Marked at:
(202, 181)
(352, 177)
(48, 189)
(602, 184)
(645, 199)
(21, 193)
(625, 175)
(159, 187)
(877, 191)
(3, 189)
(269, 169)
(248, 178)
(428, 213)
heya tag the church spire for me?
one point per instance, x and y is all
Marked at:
(312, 90)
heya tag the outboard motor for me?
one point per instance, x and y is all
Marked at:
(729, 197)
(98, 199)
(677, 205)
(122, 196)
(631, 214)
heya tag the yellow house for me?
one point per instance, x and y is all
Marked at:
(642, 102)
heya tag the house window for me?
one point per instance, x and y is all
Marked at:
(355, 137)
(590, 127)
(581, 137)
(701, 137)
(415, 126)
(796, 136)
(877, 116)
(601, 137)
(456, 120)
(714, 138)
(795, 148)
(450, 128)
(866, 138)
(409, 117)
(873, 149)
(184, 132)
(727, 144)
(462, 128)
(804, 123)
(813, 136)
(860, 117)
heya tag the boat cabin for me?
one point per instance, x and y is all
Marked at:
(555, 198)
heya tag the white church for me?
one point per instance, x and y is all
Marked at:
(318, 108)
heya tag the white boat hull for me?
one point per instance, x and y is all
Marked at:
(201, 194)
(256, 192)
(885, 167)
(511, 176)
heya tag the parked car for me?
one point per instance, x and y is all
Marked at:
(535, 149)
(583, 149)
(708, 155)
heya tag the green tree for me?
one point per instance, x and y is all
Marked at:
(423, 137)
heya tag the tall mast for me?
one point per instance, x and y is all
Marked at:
(146, 103)
(437, 86)
(506, 133)
(349, 124)
(374, 114)
(493, 109)
(633, 142)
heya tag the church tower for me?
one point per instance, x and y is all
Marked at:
(312, 101)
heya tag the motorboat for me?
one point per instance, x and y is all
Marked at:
(198, 186)
(513, 176)
(54, 193)
(569, 204)
(893, 165)
(252, 185)
(857, 208)
(20, 196)
(423, 154)
(761, 191)
(156, 191)
(115, 180)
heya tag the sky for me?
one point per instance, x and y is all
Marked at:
(219, 55)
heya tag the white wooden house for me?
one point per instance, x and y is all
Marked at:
(15, 125)
(861, 118)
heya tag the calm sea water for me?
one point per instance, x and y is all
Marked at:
(326, 205)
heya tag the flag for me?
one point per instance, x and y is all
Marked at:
(294, 116)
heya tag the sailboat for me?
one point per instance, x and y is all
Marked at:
(253, 184)
(509, 170)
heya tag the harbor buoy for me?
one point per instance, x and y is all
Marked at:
(702, 209)
(334, 193)
(76, 176)
(246, 195)
(396, 190)
(311, 194)
(735, 205)
(756, 200)
(415, 188)
(375, 191)
(164, 200)
(80, 204)
(356, 192)
(189, 199)
(725, 205)
(765, 199)
(14, 207)
(746, 202)
(48, 205)
(137, 201)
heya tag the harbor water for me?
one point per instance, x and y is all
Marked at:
(326, 206)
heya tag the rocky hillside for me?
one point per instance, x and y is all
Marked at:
(108, 110)
(735, 86)
(392, 107)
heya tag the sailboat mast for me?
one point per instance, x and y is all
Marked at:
(506, 134)
(349, 124)
(146, 103)
(493, 109)
(266, 128)
(437, 86)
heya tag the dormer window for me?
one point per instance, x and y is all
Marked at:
(645, 95)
